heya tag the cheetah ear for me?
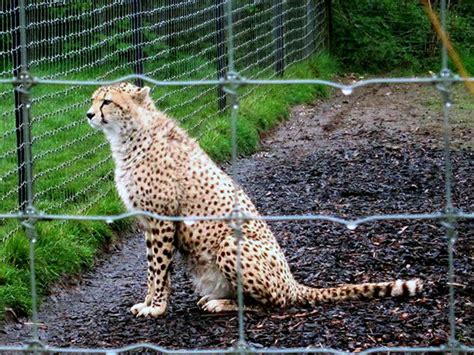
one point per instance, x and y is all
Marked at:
(142, 93)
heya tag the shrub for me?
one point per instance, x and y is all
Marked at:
(382, 35)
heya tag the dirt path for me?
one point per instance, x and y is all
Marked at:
(372, 152)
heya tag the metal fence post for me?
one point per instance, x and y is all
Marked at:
(137, 39)
(310, 27)
(24, 140)
(171, 29)
(329, 26)
(220, 52)
(20, 65)
(279, 33)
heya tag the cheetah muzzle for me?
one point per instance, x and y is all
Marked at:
(160, 169)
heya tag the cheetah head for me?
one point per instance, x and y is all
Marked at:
(119, 108)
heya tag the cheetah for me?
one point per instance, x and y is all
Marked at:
(162, 170)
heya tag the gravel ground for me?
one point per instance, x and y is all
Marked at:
(376, 151)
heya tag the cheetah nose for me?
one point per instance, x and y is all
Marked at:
(90, 115)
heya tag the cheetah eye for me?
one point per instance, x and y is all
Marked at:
(106, 102)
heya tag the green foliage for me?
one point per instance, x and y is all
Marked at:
(16, 251)
(14, 289)
(390, 34)
(468, 60)
(461, 21)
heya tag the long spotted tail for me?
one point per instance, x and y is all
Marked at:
(398, 288)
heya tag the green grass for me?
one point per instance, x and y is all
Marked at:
(467, 59)
(73, 170)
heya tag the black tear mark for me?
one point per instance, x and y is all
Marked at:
(104, 103)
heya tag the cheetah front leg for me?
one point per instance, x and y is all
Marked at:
(159, 243)
(136, 309)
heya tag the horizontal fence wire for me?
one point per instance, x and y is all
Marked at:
(145, 347)
(196, 54)
(350, 223)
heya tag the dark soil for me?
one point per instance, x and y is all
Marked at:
(369, 153)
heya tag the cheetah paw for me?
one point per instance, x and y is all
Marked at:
(203, 300)
(217, 306)
(137, 308)
(152, 312)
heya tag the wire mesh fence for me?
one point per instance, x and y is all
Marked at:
(166, 40)
(197, 54)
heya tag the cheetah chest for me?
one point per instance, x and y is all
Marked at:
(123, 183)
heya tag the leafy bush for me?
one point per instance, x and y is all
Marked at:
(382, 35)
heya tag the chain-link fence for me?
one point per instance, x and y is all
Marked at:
(167, 40)
(197, 54)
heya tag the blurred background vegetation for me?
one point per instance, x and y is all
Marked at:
(383, 35)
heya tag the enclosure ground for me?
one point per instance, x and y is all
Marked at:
(376, 151)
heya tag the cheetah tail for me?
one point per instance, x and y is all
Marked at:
(398, 288)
